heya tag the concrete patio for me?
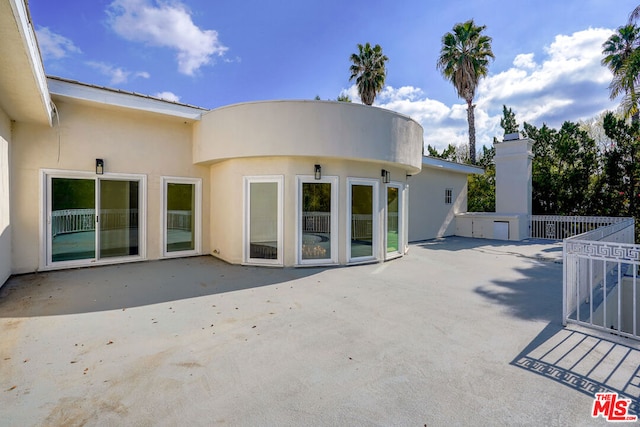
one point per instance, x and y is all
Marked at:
(459, 332)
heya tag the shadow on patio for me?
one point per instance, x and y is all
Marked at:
(584, 362)
(545, 250)
(124, 286)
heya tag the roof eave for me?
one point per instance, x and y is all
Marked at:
(33, 102)
(436, 163)
(120, 99)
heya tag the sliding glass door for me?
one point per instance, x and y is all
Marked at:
(118, 220)
(72, 219)
(91, 218)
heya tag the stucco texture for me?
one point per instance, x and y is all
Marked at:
(429, 215)
(309, 128)
(127, 140)
(226, 200)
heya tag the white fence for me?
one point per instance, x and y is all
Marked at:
(316, 222)
(77, 220)
(180, 220)
(558, 227)
(600, 284)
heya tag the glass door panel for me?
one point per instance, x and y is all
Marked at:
(316, 221)
(118, 222)
(393, 220)
(181, 202)
(361, 221)
(73, 217)
(263, 220)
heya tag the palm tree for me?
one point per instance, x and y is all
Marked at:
(634, 15)
(622, 57)
(369, 70)
(464, 59)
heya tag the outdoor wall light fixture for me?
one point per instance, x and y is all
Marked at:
(99, 166)
(317, 171)
(386, 176)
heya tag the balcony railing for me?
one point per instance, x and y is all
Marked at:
(600, 279)
(77, 220)
(556, 227)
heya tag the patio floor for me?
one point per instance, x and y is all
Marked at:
(458, 332)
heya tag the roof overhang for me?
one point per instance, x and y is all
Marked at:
(435, 163)
(118, 99)
(23, 86)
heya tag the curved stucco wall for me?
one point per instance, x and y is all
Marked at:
(226, 208)
(310, 129)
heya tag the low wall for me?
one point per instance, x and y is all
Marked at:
(489, 225)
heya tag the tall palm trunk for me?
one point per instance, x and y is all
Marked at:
(472, 130)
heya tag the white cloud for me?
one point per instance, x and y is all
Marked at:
(53, 45)
(166, 24)
(567, 83)
(117, 75)
(168, 96)
(524, 60)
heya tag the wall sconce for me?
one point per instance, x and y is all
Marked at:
(386, 176)
(317, 171)
(99, 166)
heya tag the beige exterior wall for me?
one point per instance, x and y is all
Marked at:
(309, 129)
(130, 142)
(429, 215)
(5, 214)
(227, 195)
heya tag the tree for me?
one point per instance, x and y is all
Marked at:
(464, 60)
(369, 71)
(622, 57)
(508, 121)
(594, 127)
(448, 153)
(453, 153)
(482, 188)
(343, 98)
(622, 166)
(634, 15)
(565, 169)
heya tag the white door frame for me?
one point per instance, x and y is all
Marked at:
(375, 184)
(46, 176)
(401, 219)
(197, 220)
(246, 209)
(334, 181)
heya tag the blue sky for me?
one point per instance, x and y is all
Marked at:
(214, 53)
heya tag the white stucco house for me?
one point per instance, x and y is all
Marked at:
(91, 175)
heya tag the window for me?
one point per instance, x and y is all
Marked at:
(263, 220)
(181, 223)
(92, 219)
(317, 223)
(362, 224)
(448, 196)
